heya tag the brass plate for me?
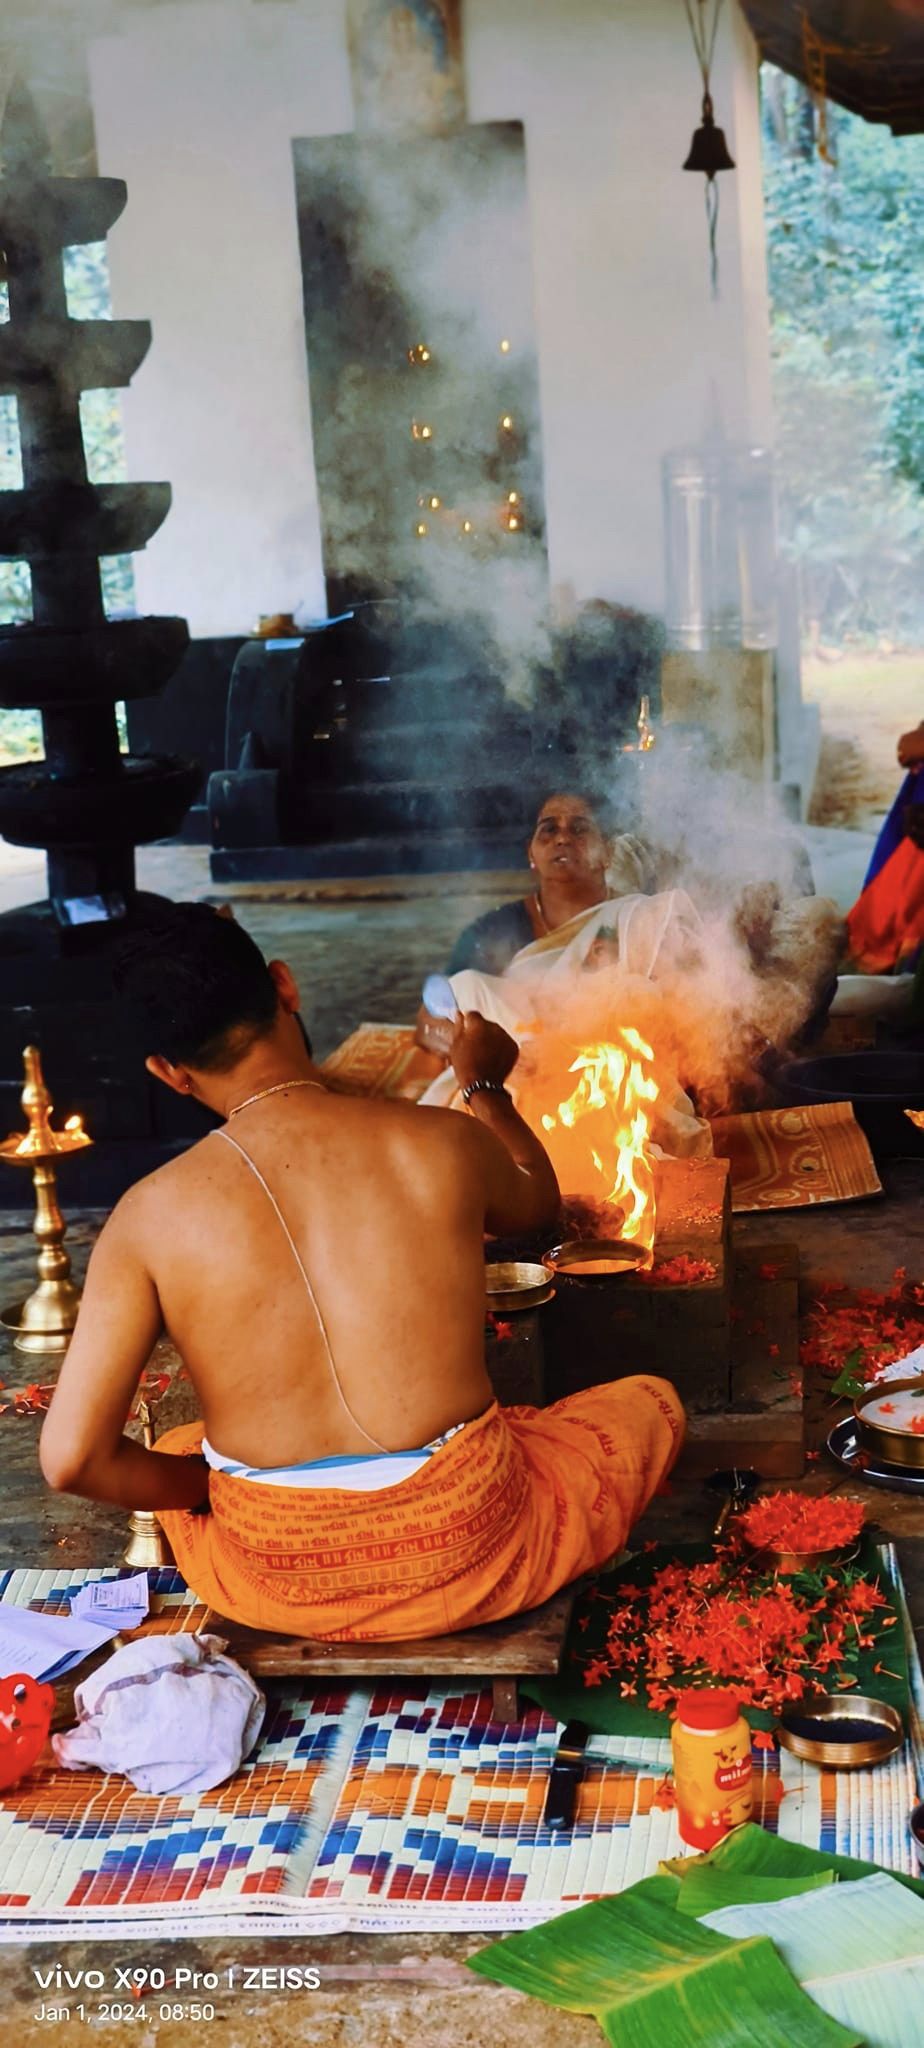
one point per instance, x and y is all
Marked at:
(801, 1730)
(513, 1284)
(595, 1258)
(896, 1446)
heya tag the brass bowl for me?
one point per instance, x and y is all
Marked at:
(595, 1258)
(895, 1446)
(788, 1562)
(514, 1284)
(842, 1730)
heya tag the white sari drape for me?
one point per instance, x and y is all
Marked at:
(655, 938)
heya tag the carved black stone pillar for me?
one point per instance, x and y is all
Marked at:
(85, 803)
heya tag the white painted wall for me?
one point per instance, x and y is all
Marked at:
(196, 106)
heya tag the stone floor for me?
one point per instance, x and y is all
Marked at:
(361, 950)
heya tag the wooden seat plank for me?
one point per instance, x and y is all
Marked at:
(501, 1651)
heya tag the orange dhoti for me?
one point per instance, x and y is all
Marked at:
(515, 1505)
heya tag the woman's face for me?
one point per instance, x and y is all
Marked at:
(567, 844)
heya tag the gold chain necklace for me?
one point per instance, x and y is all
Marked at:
(540, 913)
(278, 1088)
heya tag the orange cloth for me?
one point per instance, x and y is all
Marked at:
(521, 1501)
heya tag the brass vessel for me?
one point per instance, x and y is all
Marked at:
(44, 1322)
(595, 1258)
(844, 1731)
(513, 1284)
(894, 1446)
(147, 1545)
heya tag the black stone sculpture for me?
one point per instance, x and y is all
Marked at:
(85, 803)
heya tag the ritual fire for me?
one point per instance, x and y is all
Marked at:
(599, 1137)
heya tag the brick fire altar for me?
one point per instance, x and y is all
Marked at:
(728, 1338)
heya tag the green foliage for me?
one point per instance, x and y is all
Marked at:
(845, 246)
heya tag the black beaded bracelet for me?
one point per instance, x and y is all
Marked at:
(483, 1088)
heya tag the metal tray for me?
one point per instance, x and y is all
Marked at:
(594, 1258)
(845, 1446)
(514, 1284)
(801, 1729)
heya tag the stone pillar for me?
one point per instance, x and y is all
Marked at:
(730, 691)
(406, 64)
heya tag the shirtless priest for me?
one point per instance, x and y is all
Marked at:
(318, 1262)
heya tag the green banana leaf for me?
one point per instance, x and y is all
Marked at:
(651, 1976)
(857, 1950)
(604, 1709)
(706, 1889)
(750, 1852)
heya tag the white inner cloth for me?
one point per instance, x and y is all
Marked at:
(367, 1473)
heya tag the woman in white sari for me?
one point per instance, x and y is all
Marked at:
(575, 984)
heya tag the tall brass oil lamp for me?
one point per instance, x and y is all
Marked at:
(147, 1545)
(44, 1322)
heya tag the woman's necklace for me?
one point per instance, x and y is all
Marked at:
(540, 913)
(278, 1088)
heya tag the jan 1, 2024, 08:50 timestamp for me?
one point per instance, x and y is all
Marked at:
(128, 2009)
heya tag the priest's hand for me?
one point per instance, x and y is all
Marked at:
(480, 1051)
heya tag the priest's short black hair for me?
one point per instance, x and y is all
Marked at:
(197, 987)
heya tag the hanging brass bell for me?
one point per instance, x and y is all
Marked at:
(709, 151)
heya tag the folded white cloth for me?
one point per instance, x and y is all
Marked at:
(169, 1712)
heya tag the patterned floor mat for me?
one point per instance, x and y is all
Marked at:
(404, 1807)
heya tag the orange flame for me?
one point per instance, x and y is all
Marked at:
(608, 1161)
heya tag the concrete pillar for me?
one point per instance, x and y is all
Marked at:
(730, 691)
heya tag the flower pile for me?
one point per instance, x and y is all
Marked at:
(852, 1337)
(798, 1525)
(682, 1271)
(723, 1622)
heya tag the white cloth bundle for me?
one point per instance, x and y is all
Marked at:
(170, 1712)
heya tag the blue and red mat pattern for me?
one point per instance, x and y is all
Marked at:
(400, 1807)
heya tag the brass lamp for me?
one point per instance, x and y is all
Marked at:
(44, 1322)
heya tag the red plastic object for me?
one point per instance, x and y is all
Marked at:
(25, 1718)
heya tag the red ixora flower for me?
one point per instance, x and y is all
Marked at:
(801, 1524)
(864, 1331)
(682, 1271)
(732, 1620)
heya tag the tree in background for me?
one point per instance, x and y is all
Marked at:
(845, 245)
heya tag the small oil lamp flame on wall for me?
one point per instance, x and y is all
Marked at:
(44, 1322)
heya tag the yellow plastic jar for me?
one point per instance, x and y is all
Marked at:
(711, 1744)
